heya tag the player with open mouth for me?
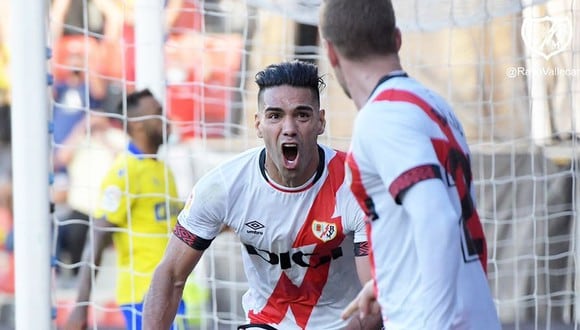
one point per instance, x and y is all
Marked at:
(290, 152)
(302, 232)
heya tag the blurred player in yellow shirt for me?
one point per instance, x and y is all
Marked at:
(138, 210)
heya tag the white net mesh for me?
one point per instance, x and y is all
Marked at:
(515, 92)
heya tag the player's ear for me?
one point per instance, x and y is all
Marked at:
(322, 118)
(257, 125)
(331, 53)
(398, 39)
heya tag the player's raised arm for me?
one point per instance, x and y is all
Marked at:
(199, 222)
(168, 282)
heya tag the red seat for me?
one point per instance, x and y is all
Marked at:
(189, 19)
(108, 316)
(70, 54)
(201, 73)
(207, 67)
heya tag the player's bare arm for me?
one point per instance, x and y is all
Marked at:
(167, 285)
(102, 233)
(363, 268)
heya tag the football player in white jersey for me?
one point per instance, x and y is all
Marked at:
(302, 232)
(410, 170)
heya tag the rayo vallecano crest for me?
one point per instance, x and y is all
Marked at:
(547, 36)
(325, 231)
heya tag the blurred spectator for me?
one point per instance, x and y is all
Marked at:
(76, 89)
(87, 154)
(112, 21)
(76, 17)
(121, 14)
(77, 28)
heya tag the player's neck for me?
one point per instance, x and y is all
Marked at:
(290, 184)
(145, 148)
(292, 179)
(363, 76)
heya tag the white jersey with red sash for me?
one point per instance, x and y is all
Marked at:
(403, 135)
(298, 245)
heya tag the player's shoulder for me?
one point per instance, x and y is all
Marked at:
(122, 161)
(404, 93)
(331, 153)
(231, 168)
(240, 160)
(117, 174)
(403, 103)
(334, 160)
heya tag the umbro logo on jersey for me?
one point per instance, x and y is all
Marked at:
(254, 226)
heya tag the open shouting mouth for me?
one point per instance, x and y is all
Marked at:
(290, 154)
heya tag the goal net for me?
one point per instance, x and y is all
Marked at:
(510, 69)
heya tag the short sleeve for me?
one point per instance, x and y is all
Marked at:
(354, 219)
(400, 148)
(205, 209)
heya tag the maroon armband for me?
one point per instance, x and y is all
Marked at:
(190, 239)
(412, 176)
(361, 249)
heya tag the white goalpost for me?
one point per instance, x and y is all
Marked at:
(149, 34)
(30, 165)
(510, 69)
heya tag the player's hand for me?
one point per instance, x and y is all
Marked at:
(365, 303)
(77, 319)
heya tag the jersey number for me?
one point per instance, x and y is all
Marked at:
(459, 174)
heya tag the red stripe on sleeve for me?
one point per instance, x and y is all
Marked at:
(191, 239)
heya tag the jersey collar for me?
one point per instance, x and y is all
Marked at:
(393, 74)
(132, 148)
